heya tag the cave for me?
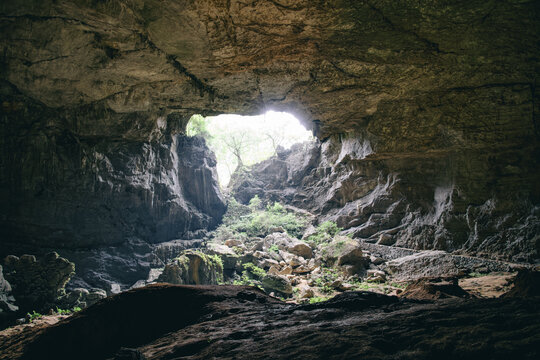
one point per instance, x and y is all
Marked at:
(409, 228)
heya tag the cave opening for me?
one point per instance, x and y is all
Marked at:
(239, 141)
(409, 228)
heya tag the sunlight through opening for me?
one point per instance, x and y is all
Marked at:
(246, 140)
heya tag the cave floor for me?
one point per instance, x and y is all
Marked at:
(201, 322)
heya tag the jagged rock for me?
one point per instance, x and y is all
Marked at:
(301, 270)
(193, 267)
(37, 284)
(386, 239)
(233, 242)
(168, 250)
(434, 288)
(8, 308)
(80, 297)
(288, 270)
(351, 325)
(525, 284)
(227, 255)
(423, 264)
(376, 276)
(289, 244)
(344, 251)
(277, 283)
(268, 263)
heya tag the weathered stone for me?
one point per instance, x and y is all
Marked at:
(37, 284)
(227, 255)
(376, 276)
(423, 264)
(233, 242)
(434, 288)
(343, 251)
(193, 267)
(277, 283)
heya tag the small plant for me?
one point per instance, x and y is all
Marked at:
(324, 233)
(317, 299)
(33, 316)
(273, 248)
(63, 311)
(76, 309)
(254, 270)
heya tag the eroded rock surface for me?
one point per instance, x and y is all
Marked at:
(243, 323)
(428, 115)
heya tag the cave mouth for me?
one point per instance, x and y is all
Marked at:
(239, 141)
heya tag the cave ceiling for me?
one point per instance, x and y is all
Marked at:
(416, 70)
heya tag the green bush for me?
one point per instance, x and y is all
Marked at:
(324, 233)
(34, 316)
(317, 299)
(256, 272)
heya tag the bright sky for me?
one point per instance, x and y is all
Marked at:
(280, 125)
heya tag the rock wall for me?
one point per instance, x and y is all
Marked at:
(469, 202)
(81, 193)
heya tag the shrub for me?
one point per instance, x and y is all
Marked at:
(33, 316)
(324, 233)
(254, 270)
(317, 299)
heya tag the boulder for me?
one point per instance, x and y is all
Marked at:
(434, 288)
(289, 244)
(343, 251)
(193, 267)
(277, 283)
(376, 276)
(233, 242)
(37, 284)
(227, 255)
(8, 309)
(422, 265)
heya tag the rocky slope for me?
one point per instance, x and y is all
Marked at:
(447, 201)
(242, 323)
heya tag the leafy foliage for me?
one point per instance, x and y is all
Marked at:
(324, 233)
(255, 271)
(317, 299)
(237, 142)
(243, 222)
(34, 316)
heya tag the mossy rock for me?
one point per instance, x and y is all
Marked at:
(194, 267)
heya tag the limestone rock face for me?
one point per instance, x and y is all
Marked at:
(447, 200)
(193, 267)
(37, 284)
(428, 115)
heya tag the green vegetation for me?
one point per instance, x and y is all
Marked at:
(324, 233)
(317, 299)
(241, 141)
(253, 220)
(327, 277)
(254, 270)
(251, 276)
(63, 311)
(34, 316)
(273, 248)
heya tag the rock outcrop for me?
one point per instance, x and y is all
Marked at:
(37, 284)
(243, 323)
(446, 201)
